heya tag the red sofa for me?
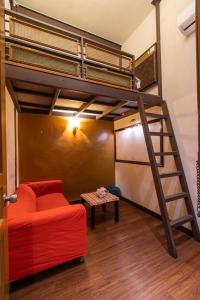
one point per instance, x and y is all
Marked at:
(43, 229)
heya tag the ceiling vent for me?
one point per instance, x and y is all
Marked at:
(187, 19)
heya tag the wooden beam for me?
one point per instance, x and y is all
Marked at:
(88, 116)
(32, 92)
(198, 93)
(87, 111)
(12, 94)
(37, 105)
(109, 110)
(127, 114)
(156, 3)
(84, 106)
(41, 93)
(16, 72)
(55, 97)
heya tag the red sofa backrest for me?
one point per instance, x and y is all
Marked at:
(26, 202)
(41, 188)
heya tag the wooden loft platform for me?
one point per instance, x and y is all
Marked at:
(51, 71)
(41, 92)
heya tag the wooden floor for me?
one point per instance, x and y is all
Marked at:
(124, 261)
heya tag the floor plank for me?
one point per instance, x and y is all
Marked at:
(125, 261)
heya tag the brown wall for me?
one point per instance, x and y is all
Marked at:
(48, 150)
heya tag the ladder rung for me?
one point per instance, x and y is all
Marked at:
(156, 116)
(172, 174)
(181, 221)
(176, 196)
(160, 133)
(166, 153)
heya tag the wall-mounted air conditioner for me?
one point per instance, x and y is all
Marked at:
(186, 19)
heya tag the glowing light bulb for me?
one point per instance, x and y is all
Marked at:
(74, 124)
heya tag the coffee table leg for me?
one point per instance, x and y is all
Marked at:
(116, 211)
(92, 220)
(104, 207)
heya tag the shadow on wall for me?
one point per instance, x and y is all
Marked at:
(136, 181)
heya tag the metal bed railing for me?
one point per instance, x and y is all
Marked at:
(36, 44)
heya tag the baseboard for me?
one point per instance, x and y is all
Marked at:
(77, 201)
(154, 214)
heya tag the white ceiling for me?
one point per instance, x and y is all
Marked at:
(114, 20)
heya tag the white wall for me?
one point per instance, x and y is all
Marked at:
(7, 4)
(10, 143)
(142, 39)
(179, 90)
(179, 86)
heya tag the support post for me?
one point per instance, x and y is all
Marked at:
(198, 95)
(156, 3)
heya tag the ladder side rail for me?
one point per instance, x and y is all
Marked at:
(179, 167)
(157, 181)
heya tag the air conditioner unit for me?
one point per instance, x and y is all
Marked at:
(187, 19)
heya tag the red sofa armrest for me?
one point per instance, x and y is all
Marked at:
(45, 239)
(46, 187)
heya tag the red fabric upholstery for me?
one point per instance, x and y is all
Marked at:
(46, 187)
(49, 201)
(26, 202)
(45, 234)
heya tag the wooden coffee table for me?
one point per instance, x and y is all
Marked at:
(93, 200)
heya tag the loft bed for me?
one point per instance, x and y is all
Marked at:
(66, 74)
(52, 71)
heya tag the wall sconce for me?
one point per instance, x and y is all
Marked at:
(135, 122)
(73, 124)
(136, 125)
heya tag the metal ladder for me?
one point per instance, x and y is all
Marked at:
(162, 199)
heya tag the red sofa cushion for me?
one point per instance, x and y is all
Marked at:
(45, 239)
(50, 201)
(41, 188)
(26, 202)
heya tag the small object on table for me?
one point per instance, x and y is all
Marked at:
(115, 190)
(93, 200)
(101, 192)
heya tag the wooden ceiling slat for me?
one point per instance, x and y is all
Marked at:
(109, 110)
(40, 93)
(32, 92)
(84, 106)
(55, 97)
(128, 113)
(34, 111)
(33, 108)
(86, 111)
(29, 104)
